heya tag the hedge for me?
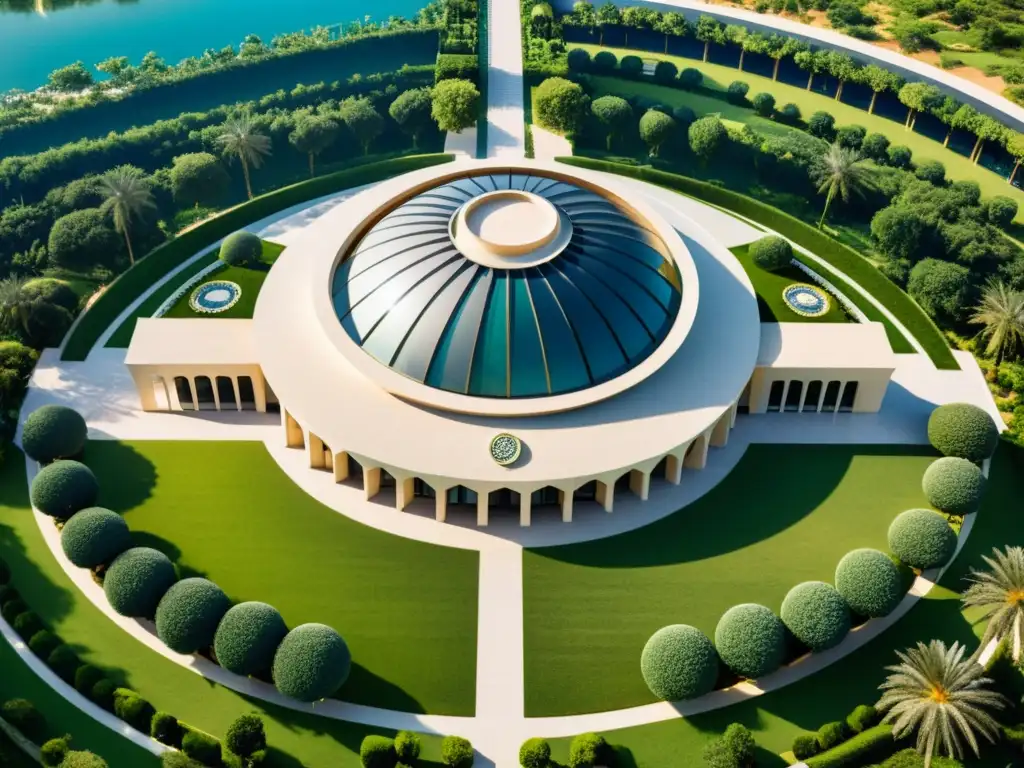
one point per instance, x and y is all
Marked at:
(43, 643)
(866, 748)
(679, 662)
(862, 718)
(188, 614)
(869, 582)
(167, 257)
(312, 663)
(953, 485)
(458, 66)
(63, 488)
(922, 539)
(751, 640)
(407, 747)
(165, 728)
(377, 752)
(94, 536)
(963, 430)
(247, 638)
(64, 662)
(137, 579)
(816, 614)
(133, 709)
(202, 747)
(53, 432)
(835, 253)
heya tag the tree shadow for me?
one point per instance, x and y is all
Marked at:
(126, 477)
(366, 687)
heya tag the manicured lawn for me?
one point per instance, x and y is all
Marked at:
(249, 279)
(227, 512)
(719, 77)
(786, 514)
(769, 287)
(832, 693)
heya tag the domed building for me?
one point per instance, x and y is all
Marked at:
(508, 337)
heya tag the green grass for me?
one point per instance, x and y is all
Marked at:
(11, 755)
(249, 279)
(786, 514)
(227, 512)
(769, 287)
(718, 77)
(832, 693)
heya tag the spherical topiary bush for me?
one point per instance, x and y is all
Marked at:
(54, 751)
(86, 677)
(83, 760)
(137, 579)
(806, 745)
(963, 430)
(377, 752)
(202, 747)
(188, 614)
(23, 715)
(953, 485)
(247, 737)
(816, 614)
(63, 488)
(241, 248)
(94, 536)
(535, 753)
(751, 640)
(587, 750)
(247, 638)
(64, 662)
(407, 747)
(922, 538)
(133, 709)
(456, 752)
(679, 662)
(771, 253)
(53, 432)
(43, 643)
(311, 663)
(869, 582)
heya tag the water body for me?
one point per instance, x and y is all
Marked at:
(38, 36)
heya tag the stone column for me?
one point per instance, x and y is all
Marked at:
(605, 495)
(482, 508)
(565, 500)
(195, 393)
(441, 506)
(640, 483)
(292, 431)
(525, 508)
(216, 394)
(698, 457)
(720, 434)
(340, 467)
(238, 393)
(673, 469)
(259, 392)
(371, 482)
(144, 383)
(403, 493)
(316, 452)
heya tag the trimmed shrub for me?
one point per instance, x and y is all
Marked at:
(377, 752)
(963, 430)
(587, 750)
(247, 638)
(54, 751)
(931, 171)
(407, 747)
(737, 91)
(43, 643)
(830, 734)
(679, 662)
(739, 742)
(865, 748)
(535, 753)
(631, 66)
(863, 717)
(166, 729)
(456, 752)
(805, 745)
(58, 292)
(174, 759)
(578, 60)
(691, 78)
(899, 156)
(241, 248)
(188, 614)
(666, 72)
(953, 485)
(875, 147)
(789, 113)
(822, 125)
(64, 662)
(851, 136)
(764, 104)
(137, 579)
(83, 760)
(86, 677)
(311, 663)
(457, 66)
(53, 432)
(869, 582)
(23, 715)
(922, 538)
(751, 640)
(771, 253)
(94, 536)
(27, 624)
(102, 694)
(816, 614)
(604, 62)
(1001, 210)
(246, 736)
(202, 747)
(12, 609)
(63, 488)
(133, 709)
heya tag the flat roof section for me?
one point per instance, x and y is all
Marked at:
(192, 341)
(825, 345)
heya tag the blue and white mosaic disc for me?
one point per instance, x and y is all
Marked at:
(215, 296)
(806, 300)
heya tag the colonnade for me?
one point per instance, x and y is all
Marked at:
(164, 388)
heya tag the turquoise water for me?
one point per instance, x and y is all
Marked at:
(32, 45)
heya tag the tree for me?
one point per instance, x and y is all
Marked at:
(120, 71)
(813, 62)
(73, 77)
(607, 15)
(764, 104)
(899, 232)
(614, 113)
(362, 120)
(82, 240)
(673, 24)
(986, 129)
(842, 67)
(411, 110)
(312, 135)
(247, 738)
(1015, 146)
(198, 178)
(239, 137)
(843, 172)
(945, 110)
(918, 97)
(706, 136)
(736, 34)
(15, 302)
(655, 129)
(709, 30)
(943, 289)
(455, 105)
(999, 591)
(561, 105)
(127, 196)
(878, 80)
(583, 14)
(778, 47)
(935, 691)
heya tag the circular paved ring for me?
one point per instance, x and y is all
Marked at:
(806, 300)
(215, 296)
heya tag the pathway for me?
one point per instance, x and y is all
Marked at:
(506, 122)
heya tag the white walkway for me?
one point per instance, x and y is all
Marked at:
(506, 126)
(548, 145)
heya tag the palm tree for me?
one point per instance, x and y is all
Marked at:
(127, 196)
(841, 171)
(240, 138)
(1001, 313)
(1000, 592)
(942, 696)
(15, 302)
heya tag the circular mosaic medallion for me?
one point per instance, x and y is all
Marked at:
(215, 296)
(505, 448)
(806, 300)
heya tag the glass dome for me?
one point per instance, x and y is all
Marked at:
(508, 285)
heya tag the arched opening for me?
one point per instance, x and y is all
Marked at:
(423, 489)
(246, 393)
(849, 397)
(796, 388)
(812, 397)
(828, 405)
(661, 468)
(160, 394)
(354, 477)
(184, 392)
(622, 484)
(503, 498)
(204, 394)
(544, 497)
(775, 396)
(460, 495)
(226, 393)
